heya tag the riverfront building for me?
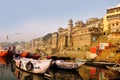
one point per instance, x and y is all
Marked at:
(82, 35)
(112, 23)
(112, 19)
(79, 36)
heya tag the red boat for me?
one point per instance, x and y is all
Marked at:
(29, 55)
(24, 54)
(2, 60)
(36, 56)
(3, 53)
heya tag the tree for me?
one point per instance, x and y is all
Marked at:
(48, 36)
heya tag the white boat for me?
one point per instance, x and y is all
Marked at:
(116, 67)
(68, 65)
(32, 65)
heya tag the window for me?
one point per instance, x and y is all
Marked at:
(117, 23)
(113, 24)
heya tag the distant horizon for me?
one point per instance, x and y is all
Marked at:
(26, 20)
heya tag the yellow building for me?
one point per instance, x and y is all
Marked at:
(112, 19)
(112, 24)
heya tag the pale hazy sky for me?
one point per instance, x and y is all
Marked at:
(36, 18)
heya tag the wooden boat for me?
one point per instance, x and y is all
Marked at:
(100, 63)
(24, 54)
(32, 65)
(34, 56)
(116, 67)
(68, 65)
(3, 53)
(29, 55)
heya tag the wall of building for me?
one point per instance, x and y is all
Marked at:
(76, 37)
(112, 19)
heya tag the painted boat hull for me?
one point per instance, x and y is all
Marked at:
(2, 60)
(3, 53)
(38, 66)
(24, 54)
(68, 65)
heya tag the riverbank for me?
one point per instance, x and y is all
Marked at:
(107, 55)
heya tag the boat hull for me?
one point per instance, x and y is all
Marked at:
(33, 66)
(68, 65)
(3, 53)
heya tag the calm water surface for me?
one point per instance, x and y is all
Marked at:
(9, 72)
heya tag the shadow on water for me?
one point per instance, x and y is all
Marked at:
(6, 69)
(98, 73)
(63, 74)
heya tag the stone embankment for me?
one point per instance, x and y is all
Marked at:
(72, 54)
(108, 55)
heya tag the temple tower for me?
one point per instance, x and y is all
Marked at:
(70, 26)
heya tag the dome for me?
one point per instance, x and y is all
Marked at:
(60, 29)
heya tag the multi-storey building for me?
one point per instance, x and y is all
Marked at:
(79, 36)
(112, 19)
(112, 23)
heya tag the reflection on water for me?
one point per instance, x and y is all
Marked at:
(65, 75)
(97, 73)
(22, 75)
(6, 69)
(9, 72)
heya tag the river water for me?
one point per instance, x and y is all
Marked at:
(9, 72)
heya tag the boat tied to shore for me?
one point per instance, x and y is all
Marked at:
(3, 53)
(32, 65)
(68, 65)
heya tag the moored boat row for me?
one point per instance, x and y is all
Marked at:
(41, 66)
